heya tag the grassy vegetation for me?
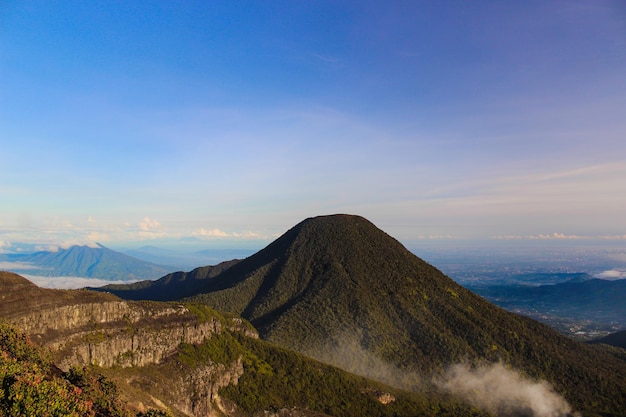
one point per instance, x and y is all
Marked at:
(205, 313)
(221, 348)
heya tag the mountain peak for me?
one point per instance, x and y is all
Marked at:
(335, 221)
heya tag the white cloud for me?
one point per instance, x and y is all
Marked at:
(148, 224)
(210, 233)
(612, 274)
(150, 229)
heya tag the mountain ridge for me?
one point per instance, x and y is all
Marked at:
(173, 286)
(589, 303)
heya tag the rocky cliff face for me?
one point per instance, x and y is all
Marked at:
(198, 391)
(117, 333)
(84, 328)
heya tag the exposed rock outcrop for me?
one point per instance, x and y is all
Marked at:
(199, 389)
(133, 345)
(91, 328)
(86, 328)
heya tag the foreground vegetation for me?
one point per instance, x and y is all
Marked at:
(30, 385)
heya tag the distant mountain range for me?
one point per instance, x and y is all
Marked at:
(580, 305)
(84, 261)
(339, 289)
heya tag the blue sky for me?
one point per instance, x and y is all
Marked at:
(229, 122)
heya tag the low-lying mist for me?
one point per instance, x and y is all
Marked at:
(68, 283)
(502, 391)
(347, 353)
(493, 387)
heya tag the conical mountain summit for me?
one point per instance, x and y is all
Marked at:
(333, 278)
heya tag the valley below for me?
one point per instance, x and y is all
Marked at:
(575, 289)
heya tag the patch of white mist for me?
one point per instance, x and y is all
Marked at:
(346, 352)
(503, 391)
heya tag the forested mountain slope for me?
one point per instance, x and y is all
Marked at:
(341, 290)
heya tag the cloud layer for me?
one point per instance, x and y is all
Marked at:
(70, 282)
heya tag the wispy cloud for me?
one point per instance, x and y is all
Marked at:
(558, 236)
(4, 246)
(438, 237)
(17, 266)
(547, 236)
(148, 224)
(218, 233)
(329, 62)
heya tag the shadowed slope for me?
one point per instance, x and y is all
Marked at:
(171, 287)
